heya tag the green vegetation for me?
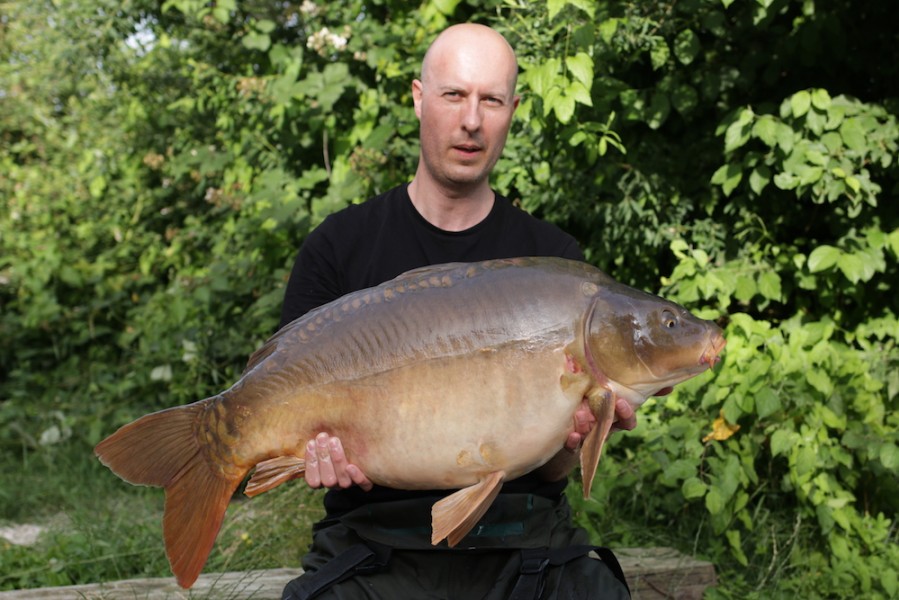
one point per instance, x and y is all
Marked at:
(160, 163)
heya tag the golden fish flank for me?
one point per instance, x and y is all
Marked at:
(519, 342)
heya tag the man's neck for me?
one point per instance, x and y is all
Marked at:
(451, 210)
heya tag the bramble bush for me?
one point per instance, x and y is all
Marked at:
(161, 163)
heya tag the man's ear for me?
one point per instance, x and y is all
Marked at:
(416, 96)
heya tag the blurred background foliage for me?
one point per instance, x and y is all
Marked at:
(161, 163)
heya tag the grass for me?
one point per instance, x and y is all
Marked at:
(100, 528)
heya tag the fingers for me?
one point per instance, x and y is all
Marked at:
(583, 423)
(626, 417)
(359, 478)
(327, 466)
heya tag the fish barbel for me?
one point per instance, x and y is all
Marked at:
(477, 367)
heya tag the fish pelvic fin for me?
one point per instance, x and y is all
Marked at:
(273, 472)
(602, 403)
(454, 516)
(163, 449)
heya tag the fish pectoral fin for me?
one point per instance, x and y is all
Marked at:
(454, 516)
(273, 472)
(602, 403)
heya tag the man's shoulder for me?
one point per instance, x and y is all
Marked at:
(380, 205)
(519, 222)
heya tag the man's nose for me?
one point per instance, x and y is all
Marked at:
(472, 116)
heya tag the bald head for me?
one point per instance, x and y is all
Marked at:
(471, 47)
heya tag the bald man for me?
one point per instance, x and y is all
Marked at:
(374, 542)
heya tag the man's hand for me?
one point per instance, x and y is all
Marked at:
(327, 466)
(584, 422)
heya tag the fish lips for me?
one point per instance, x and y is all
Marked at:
(712, 354)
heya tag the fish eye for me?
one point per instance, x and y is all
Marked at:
(669, 319)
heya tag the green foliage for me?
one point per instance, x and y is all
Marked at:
(160, 164)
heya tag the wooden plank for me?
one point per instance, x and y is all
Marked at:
(652, 573)
(657, 573)
(264, 584)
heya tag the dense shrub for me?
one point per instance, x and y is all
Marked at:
(160, 165)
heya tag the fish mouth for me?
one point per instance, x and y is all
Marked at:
(712, 354)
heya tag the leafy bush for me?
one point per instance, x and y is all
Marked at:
(162, 163)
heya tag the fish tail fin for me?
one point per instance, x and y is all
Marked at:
(163, 449)
(603, 406)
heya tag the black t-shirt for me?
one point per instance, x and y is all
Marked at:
(366, 244)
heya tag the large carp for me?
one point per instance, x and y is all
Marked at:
(478, 368)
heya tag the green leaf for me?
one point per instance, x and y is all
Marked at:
(607, 29)
(853, 267)
(786, 181)
(555, 6)
(581, 67)
(693, 488)
(659, 53)
(733, 537)
(806, 459)
(759, 179)
(735, 136)
(800, 103)
(821, 99)
(853, 134)
(564, 108)
(785, 137)
(766, 402)
(256, 41)
(714, 501)
(728, 177)
(820, 380)
(769, 285)
(888, 579)
(745, 289)
(544, 77)
(446, 7)
(686, 46)
(684, 98)
(822, 258)
(781, 441)
(264, 26)
(765, 129)
(658, 110)
(579, 93)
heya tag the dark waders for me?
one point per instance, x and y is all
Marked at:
(524, 548)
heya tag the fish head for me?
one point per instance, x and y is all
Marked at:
(643, 344)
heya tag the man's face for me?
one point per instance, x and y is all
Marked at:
(465, 103)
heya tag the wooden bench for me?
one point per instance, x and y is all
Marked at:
(652, 573)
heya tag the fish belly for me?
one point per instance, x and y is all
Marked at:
(445, 423)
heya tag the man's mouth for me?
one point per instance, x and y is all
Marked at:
(468, 148)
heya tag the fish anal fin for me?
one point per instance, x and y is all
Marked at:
(454, 516)
(273, 472)
(602, 403)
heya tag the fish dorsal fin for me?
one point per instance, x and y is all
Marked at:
(454, 516)
(602, 403)
(273, 472)
(263, 351)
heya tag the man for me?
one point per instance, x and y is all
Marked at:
(464, 100)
